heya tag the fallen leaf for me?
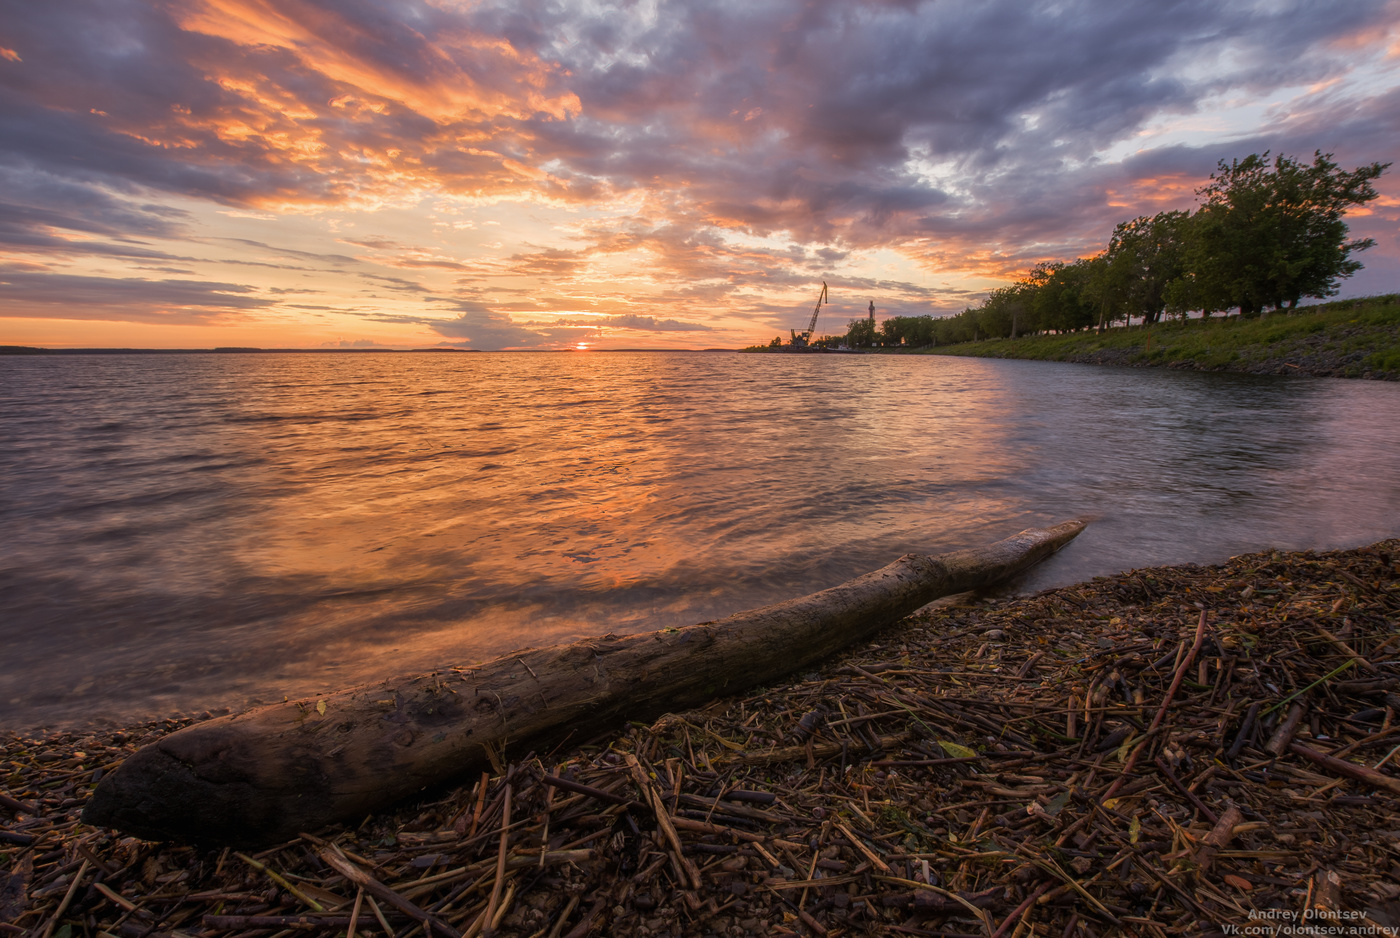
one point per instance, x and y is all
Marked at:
(321, 707)
(1238, 882)
(956, 751)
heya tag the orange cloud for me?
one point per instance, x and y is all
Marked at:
(432, 82)
(1379, 32)
(319, 108)
(1146, 196)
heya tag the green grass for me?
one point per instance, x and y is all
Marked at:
(1346, 338)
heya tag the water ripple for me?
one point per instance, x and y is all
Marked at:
(192, 531)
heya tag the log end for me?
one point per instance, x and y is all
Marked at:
(984, 566)
(157, 796)
(1048, 540)
(246, 780)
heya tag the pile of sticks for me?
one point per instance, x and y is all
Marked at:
(1175, 751)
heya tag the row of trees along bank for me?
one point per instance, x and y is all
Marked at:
(1266, 234)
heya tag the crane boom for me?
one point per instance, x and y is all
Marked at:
(812, 326)
(800, 339)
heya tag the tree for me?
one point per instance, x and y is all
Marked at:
(1004, 313)
(860, 333)
(1272, 233)
(911, 331)
(1147, 254)
(891, 331)
(1055, 293)
(1106, 287)
(953, 329)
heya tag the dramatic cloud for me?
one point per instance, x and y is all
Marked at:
(636, 159)
(628, 321)
(40, 294)
(478, 326)
(652, 324)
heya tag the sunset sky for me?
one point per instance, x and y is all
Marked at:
(651, 174)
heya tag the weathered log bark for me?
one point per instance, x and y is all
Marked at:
(270, 773)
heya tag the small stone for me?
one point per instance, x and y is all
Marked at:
(994, 634)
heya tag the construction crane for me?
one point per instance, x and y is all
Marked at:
(800, 340)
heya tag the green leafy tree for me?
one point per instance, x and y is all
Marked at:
(1147, 254)
(891, 331)
(1272, 233)
(951, 330)
(1074, 309)
(918, 331)
(860, 333)
(1004, 314)
(1054, 292)
(1107, 285)
(911, 331)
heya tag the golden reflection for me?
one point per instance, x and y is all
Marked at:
(323, 520)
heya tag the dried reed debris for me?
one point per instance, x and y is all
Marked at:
(1176, 751)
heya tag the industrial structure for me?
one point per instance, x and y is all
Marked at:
(803, 339)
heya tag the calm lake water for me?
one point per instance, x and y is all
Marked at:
(181, 532)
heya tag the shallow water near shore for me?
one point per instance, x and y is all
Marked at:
(183, 532)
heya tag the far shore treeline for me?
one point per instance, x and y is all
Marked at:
(1266, 234)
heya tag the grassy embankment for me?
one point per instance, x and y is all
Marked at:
(1343, 339)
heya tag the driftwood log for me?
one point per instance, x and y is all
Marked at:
(268, 774)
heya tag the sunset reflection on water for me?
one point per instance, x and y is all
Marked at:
(193, 531)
